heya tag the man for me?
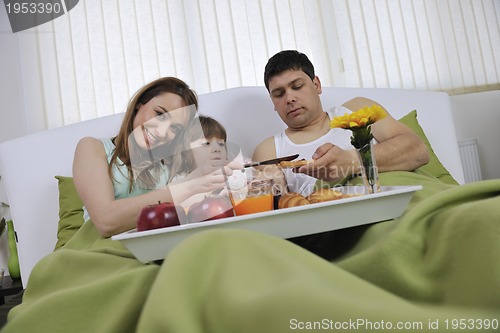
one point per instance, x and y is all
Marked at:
(294, 89)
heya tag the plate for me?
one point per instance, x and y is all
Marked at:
(389, 203)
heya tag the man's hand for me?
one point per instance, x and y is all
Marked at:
(331, 163)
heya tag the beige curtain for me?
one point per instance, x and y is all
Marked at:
(88, 63)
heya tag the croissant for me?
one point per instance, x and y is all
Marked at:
(292, 199)
(324, 194)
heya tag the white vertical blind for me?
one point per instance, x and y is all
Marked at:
(89, 62)
(448, 45)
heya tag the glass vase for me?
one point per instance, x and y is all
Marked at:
(369, 171)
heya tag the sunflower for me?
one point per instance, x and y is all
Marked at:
(359, 123)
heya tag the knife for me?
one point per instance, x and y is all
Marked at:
(273, 161)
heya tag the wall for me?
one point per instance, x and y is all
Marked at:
(12, 121)
(478, 116)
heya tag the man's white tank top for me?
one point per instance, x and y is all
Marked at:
(301, 183)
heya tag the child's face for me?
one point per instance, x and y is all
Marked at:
(208, 149)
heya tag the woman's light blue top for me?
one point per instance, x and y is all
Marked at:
(121, 181)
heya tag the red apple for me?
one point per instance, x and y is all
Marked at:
(211, 208)
(161, 215)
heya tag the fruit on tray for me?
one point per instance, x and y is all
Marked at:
(212, 207)
(161, 215)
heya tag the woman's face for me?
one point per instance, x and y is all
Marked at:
(160, 120)
(208, 149)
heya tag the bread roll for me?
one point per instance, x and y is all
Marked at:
(292, 164)
(292, 199)
(324, 194)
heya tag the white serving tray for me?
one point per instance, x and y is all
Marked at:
(390, 203)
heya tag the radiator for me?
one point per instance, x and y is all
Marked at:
(470, 160)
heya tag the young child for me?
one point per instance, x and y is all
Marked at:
(204, 143)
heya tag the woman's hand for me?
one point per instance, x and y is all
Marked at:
(207, 178)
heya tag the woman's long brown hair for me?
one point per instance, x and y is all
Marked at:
(141, 97)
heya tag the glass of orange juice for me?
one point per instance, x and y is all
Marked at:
(257, 197)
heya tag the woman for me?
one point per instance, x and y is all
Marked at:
(116, 178)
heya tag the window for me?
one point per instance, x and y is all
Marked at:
(89, 62)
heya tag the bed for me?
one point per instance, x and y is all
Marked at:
(410, 264)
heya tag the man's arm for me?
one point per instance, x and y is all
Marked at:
(264, 150)
(398, 148)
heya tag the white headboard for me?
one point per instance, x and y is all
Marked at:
(28, 164)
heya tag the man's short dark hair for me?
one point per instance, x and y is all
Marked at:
(285, 60)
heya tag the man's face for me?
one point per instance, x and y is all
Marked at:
(296, 97)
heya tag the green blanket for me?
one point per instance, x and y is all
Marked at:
(434, 269)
